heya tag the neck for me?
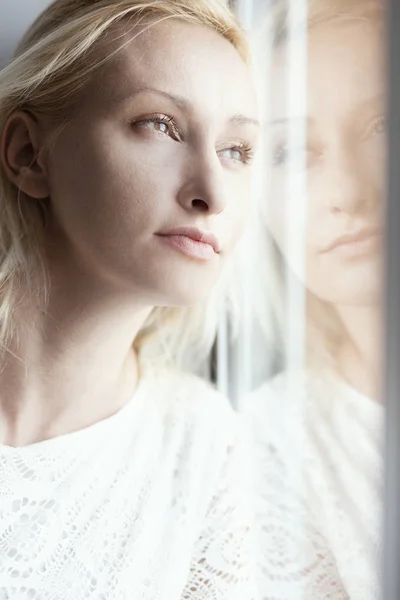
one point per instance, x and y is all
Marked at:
(74, 364)
(360, 356)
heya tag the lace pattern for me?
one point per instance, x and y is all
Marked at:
(146, 505)
(317, 459)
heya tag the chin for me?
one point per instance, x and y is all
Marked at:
(184, 287)
(187, 297)
(350, 285)
(367, 294)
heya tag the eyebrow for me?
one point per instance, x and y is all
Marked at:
(237, 119)
(364, 104)
(286, 120)
(243, 120)
(182, 102)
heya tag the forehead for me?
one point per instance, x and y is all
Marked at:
(182, 59)
(345, 67)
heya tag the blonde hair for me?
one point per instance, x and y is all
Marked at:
(323, 328)
(51, 66)
(320, 11)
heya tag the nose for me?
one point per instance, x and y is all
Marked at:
(346, 185)
(203, 190)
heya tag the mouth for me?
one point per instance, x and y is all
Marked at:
(357, 243)
(192, 242)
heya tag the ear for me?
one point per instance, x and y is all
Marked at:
(22, 155)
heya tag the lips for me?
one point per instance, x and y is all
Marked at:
(192, 241)
(357, 239)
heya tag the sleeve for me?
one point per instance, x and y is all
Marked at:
(292, 557)
(222, 565)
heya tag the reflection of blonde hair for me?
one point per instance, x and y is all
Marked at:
(321, 11)
(324, 329)
(53, 63)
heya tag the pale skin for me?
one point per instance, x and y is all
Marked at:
(111, 185)
(345, 178)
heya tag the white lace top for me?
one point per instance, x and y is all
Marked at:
(146, 504)
(318, 480)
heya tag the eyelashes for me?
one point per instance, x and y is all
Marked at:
(282, 153)
(376, 127)
(241, 152)
(164, 125)
(279, 155)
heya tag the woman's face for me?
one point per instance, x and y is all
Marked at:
(162, 140)
(344, 158)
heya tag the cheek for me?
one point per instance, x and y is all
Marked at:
(101, 190)
(374, 165)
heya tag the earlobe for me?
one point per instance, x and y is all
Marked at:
(22, 156)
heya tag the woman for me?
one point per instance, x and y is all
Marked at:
(123, 191)
(317, 429)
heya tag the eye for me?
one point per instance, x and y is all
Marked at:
(284, 154)
(377, 127)
(160, 124)
(240, 153)
(279, 155)
(299, 156)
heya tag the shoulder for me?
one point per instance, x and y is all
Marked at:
(294, 386)
(191, 403)
(279, 404)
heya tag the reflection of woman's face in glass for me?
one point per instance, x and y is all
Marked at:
(345, 159)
